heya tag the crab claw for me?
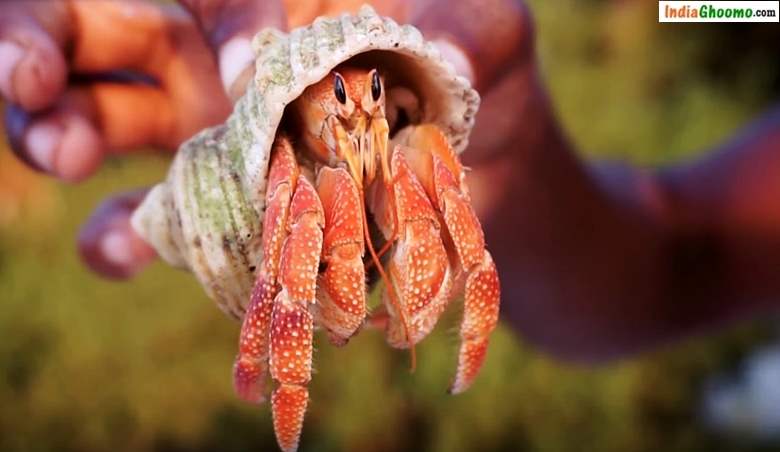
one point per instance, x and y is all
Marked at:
(436, 164)
(341, 288)
(419, 268)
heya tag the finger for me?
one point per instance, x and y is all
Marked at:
(134, 116)
(70, 140)
(127, 116)
(229, 26)
(457, 57)
(109, 245)
(303, 13)
(127, 35)
(61, 143)
(33, 72)
(161, 41)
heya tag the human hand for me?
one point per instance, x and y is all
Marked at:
(591, 251)
(65, 130)
(84, 79)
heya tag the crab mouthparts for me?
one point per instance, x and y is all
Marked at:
(362, 146)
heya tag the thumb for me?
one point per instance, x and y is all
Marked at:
(229, 26)
(107, 242)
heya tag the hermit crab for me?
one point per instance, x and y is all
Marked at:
(340, 161)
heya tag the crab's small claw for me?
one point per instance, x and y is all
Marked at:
(341, 288)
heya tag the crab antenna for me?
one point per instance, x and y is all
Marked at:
(389, 285)
(381, 130)
(350, 156)
(389, 242)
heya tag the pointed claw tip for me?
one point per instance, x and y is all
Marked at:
(248, 383)
(458, 387)
(248, 393)
(254, 399)
(288, 407)
(336, 340)
(289, 447)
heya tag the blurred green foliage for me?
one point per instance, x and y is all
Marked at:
(92, 365)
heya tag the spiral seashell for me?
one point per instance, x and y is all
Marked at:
(207, 215)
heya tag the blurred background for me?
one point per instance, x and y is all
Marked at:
(92, 365)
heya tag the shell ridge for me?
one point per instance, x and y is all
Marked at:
(308, 49)
(189, 227)
(296, 63)
(237, 261)
(212, 212)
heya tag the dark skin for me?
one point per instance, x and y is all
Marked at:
(604, 261)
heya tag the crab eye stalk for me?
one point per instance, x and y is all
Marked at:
(376, 86)
(339, 90)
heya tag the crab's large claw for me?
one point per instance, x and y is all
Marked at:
(251, 366)
(437, 166)
(341, 288)
(419, 268)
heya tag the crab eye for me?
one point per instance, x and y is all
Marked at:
(338, 89)
(376, 86)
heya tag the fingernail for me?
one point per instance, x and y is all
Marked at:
(10, 55)
(456, 57)
(117, 249)
(80, 150)
(234, 57)
(41, 142)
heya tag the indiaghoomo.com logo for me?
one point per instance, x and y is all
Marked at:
(719, 11)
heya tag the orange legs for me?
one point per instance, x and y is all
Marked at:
(277, 328)
(251, 366)
(418, 268)
(436, 243)
(292, 323)
(437, 167)
(341, 288)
